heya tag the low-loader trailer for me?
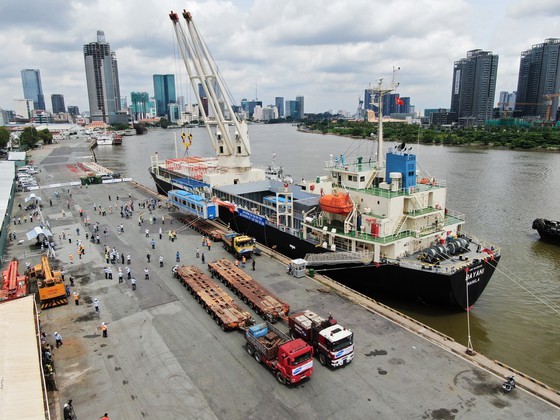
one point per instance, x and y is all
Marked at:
(217, 303)
(261, 300)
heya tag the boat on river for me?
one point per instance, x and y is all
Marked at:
(379, 229)
(107, 138)
(549, 230)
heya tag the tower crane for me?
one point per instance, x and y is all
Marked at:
(548, 102)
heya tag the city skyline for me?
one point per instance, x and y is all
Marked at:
(327, 53)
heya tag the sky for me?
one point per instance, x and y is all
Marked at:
(327, 51)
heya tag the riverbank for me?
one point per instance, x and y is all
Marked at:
(166, 358)
(492, 137)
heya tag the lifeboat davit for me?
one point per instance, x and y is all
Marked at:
(336, 203)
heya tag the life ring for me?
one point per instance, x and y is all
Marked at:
(312, 187)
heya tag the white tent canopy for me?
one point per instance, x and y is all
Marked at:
(37, 230)
(32, 196)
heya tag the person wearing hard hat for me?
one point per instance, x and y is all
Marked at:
(104, 329)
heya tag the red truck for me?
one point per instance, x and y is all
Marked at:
(291, 360)
(333, 343)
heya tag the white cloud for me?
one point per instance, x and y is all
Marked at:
(326, 51)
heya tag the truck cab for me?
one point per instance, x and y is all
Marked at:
(239, 245)
(291, 360)
(333, 343)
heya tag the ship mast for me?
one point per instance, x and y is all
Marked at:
(380, 91)
(229, 136)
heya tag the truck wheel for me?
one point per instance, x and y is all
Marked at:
(250, 349)
(323, 359)
(258, 357)
(281, 378)
(293, 334)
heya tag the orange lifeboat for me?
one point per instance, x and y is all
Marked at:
(336, 203)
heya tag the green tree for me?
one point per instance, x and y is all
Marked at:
(120, 126)
(46, 136)
(4, 137)
(163, 122)
(28, 138)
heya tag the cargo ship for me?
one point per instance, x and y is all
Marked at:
(372, 222)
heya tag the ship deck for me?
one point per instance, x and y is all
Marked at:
(447, 264)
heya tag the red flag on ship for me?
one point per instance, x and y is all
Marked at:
(399, 101)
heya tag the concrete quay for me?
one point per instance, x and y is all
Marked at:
(165, 358)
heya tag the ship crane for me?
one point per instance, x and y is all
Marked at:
(228, 135)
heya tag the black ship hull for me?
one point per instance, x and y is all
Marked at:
(429, 286)
(549, 230)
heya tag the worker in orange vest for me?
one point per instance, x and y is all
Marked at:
(76, 298)
(236, 262)
(105, 417)
(104, 329)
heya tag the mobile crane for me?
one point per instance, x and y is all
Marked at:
(52, 291)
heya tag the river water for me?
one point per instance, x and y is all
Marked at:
(501, 192)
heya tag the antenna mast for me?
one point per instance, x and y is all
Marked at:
(381, 91)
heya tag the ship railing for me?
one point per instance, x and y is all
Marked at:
(419, 265)
(453, 214)
(425, 184)
(484, 244)
(352, 165)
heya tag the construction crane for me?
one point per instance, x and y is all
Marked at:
(549, 105)
(548, 102)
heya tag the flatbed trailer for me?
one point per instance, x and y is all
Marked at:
(202, 226)
(260, 299)
(217, 303)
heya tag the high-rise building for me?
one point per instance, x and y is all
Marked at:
(57, 101)
(32, 87)
(24, 109)
(73, 110)
(301, 107)
(102, 78)
(507, 101)
(251, 107)
(539, 76)
(164, 92)
(140, 104)
(279, 102)
(292, 110)
(474, 87)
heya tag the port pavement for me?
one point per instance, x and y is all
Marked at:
(164, 357)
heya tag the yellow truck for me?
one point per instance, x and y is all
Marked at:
(239, 245)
